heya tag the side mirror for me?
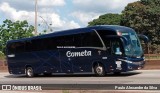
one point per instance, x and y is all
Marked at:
(144, 38)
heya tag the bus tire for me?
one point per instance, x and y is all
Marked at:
(99, 70)
(29, 72)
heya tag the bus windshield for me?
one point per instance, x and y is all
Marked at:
(133, 49)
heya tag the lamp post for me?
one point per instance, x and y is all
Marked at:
(35, 32)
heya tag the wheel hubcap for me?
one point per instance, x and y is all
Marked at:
(99, 70)
(29, 72)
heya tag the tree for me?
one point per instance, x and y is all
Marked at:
(107, 19)
(143, 16)
(14, 30)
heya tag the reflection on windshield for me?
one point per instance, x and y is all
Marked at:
(134, 48)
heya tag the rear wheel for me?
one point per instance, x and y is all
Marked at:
(99, 70)
(29, 72)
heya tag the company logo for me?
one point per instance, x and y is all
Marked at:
(6, 87)
(78, 54)
(21, 87)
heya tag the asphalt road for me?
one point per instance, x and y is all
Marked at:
(134, 77)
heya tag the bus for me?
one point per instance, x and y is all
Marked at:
(91, 50)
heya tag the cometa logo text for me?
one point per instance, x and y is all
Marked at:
(78, 54)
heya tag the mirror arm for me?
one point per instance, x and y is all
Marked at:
(144, 38)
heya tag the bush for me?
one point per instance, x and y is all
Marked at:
(2, 56)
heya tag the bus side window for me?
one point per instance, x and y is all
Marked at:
(66, 40)
(20, 47)
(28, 46)
(86, 40)
(96, 40)
(116, 47)
(51, 45)
(11, 48)
(33, 45)
(91, 39)
(69, 39)
(36, 45)
(59, 41)
(77, 40)
(16, 47)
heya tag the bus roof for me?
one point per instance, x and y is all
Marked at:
(79, 30)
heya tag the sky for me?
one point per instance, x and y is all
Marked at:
(59, 14)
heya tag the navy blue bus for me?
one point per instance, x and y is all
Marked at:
(95, 50)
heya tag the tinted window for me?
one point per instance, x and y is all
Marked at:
(20, 46)
(91, 39)
(28, 46)
(16, 47)
(104, 33)
(11, 48)
(49, 44)
(36, 45)
(77, 40)
(69, 40)
(116, 44)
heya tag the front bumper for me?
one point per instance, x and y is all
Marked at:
(133, 64)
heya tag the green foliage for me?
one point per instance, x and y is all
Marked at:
(2, 56)
(66, 91)
(143, 16)
(107, 19)
(14, 30)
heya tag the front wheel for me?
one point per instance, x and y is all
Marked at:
(29, 72)
(99, 70)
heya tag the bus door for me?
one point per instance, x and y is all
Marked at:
(115, 50)
(116, 53)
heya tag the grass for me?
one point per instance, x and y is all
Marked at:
(65, 91)
(152, 56)
(2, 56)
(2, 59)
